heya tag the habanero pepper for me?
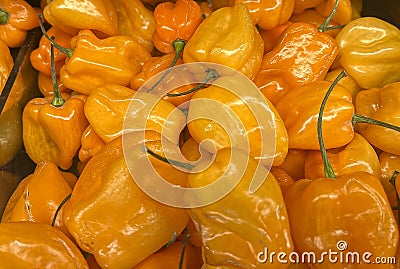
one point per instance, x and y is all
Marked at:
(227, 37)
(72, 16)
(294, 163)
(302, 5)
(343, 14)
(270, 37)
(46, 87)
(42, 246)
(107, 207)
(91, 143)
(17, 17)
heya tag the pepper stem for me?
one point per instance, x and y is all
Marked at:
(178, 46)
(53, 222)
(328, 170)
(393, 182)
(3, 17)
(57, 98)
(363, 119)
(211, 74)
(187, 166)
(64, 50)
(182, 258)
(324, 26)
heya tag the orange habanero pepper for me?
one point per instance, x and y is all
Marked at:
(91, 143)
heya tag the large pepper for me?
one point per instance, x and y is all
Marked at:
(239, 226)
(106, 109)
(227, 37)
(94, 62)
(369, 51)
(229, 106)
(17, 17)
(110, 216)
(72, 16)
(39, 195)
(37, 245)
(135, 20)
(358, 155)
(268, 14)
(380, 104)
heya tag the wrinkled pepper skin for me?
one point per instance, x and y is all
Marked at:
(380, 104)
(299, 109)
(268, 14)
(245, 223)
(107, 106)
(40, 57)
(303, 55)
(38, 196)
(109, 215)
(175, 21)
(369, 51)
(17, 17)
(358, 155)
(95, 62)
(72, 16)
(54, 133)
(359, 214)
(227, 37)
(259, 147)
(135, 20)
(37, 245)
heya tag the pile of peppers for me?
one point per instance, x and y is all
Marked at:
(328, 77)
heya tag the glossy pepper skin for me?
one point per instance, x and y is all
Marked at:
(40, 57)
(227, 37)
(17, 17)
(45, 85)
(42, 246)
(91, 143)
(110, 216)
(359, 214)
(72, 16)
(380, 104)
(369, 51)
(343, 14)
(54, 133)
(303, 55)
(38, 196)
(299, 109)
(95, 61)
(259, 147)
(107, 106)
(245, 223)
(135, 20)
(358, 155)
(175, 21)
(268, 14)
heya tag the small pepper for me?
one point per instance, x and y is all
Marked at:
(135, 20)
(227, 37)
(294, 163)
(40, 57)
(38, 196)
(238, 226)
(107, 208)
(348, 82)
(45, 85)
(37, 245)
(369, 51)
(268, 14)
(343, 14)
(17, 17)
(358, 155)
(72, 16)
(91, 143)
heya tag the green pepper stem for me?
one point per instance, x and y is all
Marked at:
(57, 98)
(328, 170)
(63, 50)
(3, 17)
(362, 119)
(324, 26)
(187, 166)
(211, 74)
(53, 222)
(178, 46)
(181, 259)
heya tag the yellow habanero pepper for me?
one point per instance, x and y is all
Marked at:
(227, 37)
